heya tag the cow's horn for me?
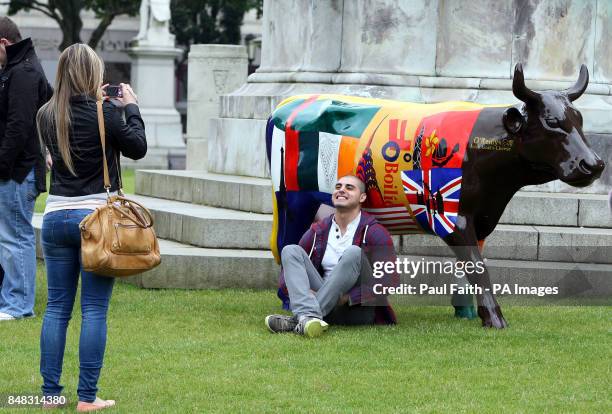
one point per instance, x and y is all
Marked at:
(580, 86)
(519, 89)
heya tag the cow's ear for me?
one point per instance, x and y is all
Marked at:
(513, 120)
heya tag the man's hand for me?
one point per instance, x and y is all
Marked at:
(343, 300)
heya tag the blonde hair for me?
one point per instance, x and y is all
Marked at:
(80, 71)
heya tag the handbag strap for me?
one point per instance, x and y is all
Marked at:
(102, 131)
(142, 216)
(107, 185)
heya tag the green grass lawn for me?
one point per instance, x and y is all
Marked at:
(127, 176)
(208, 351)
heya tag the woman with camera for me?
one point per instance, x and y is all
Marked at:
(68, 127)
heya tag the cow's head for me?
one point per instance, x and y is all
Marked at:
(549, 132)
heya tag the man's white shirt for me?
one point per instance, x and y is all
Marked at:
(337, 243)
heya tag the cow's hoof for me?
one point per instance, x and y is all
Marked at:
(465, 312)
(492, 318)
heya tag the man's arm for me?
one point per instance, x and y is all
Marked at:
(378, 248)
(22, 107)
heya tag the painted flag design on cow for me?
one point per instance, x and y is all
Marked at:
(395, 218)
(409, 155)
(318, 139)
(441, 139)
(434, 197)
(324, 158)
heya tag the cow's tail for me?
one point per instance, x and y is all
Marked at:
(275, 221)
(274, 233)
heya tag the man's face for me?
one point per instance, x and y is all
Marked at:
(3, 44)
(347, 194)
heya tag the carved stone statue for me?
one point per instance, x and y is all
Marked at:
(155, 24)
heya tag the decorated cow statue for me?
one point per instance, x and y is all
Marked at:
(448, 168)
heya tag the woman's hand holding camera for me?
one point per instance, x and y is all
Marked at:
(128, 95)
(121, 95)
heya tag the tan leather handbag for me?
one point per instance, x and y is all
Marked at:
(117, 239)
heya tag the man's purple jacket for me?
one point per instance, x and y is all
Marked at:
(375, 241)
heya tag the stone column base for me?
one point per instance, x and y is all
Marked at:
(163, 127)
(153, 81)
(197, 150)
(158, 159)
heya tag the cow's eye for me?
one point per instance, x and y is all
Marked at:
(552, 122)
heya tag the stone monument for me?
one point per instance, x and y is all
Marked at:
(153, 53)
(213, 70)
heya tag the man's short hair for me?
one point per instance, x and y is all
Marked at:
(361, 184)
(9, 30)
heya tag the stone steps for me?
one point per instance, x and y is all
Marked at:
(255, 194)
(213, 226)
(206, 188)
(218, 228)
(209, 227)
(189, 267)
(531, 243)
(573, 280)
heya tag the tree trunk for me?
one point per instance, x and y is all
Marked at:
(97, 34)
(71, 23)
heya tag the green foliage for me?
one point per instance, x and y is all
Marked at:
(205, 351)
(210, 21)
(193, 21)
(67, 14)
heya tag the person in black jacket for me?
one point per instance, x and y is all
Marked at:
(68, 126)
(23, 90)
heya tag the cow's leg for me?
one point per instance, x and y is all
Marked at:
(464, 304)
(466, 247)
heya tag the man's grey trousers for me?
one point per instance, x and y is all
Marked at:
(302, 279)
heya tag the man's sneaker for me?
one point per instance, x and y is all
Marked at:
(281, 323)
(311, 327)
(6, 317)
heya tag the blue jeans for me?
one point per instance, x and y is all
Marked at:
(61, 242)
(18, 246)
(303, 279)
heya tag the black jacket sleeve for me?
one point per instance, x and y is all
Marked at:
(23, 103)
(127, 136)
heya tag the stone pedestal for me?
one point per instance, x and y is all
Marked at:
(214, 70)
(153, 82)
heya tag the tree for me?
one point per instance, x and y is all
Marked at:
(210, 21)
(67, 14)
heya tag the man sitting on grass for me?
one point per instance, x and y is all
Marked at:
(327, 278)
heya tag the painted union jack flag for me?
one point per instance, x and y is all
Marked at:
(433, 195)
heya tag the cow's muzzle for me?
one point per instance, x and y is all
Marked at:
(586, 173)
